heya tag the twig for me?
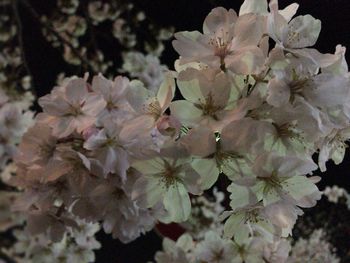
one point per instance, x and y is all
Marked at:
(93, 40)
(56, 34)
(91, 28)
(20, 39)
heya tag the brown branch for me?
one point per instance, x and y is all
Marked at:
(20, 39)
(56, 34)
(91, 29)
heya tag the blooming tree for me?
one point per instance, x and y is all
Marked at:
(258, 103)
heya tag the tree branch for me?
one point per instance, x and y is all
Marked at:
(56, 34)
(20, 38)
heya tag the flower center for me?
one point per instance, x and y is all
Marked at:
(252, 216)
(47, 150)
(271, 182)
(288, 130)
(222, 45)
(110, 142)
(208, 107)
(223, 158)
(153, 108)
(296, 88)
(74, 110)
(168, 177)
(111, 106)
(218, 255)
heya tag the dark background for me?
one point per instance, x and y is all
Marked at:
(45, 63)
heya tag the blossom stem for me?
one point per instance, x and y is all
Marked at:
(252, 87)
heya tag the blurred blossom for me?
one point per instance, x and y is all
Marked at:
(76, 246)
(145, 68)
(123, 33)
(334, 193)
(315, 249)
(68, 6)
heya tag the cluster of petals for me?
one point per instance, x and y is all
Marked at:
(75, 162)
(253, 112)
(213, 248)
(15, 118)
(258, 112)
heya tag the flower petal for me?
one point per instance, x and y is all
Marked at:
(147, 191)
(303, 31)
(253, 6)
(177, 203)
(219, 18)
(186, 112)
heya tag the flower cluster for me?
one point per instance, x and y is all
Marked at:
(314, 249)
(15, 97)
(77, 156)
(15, 118)
(76, 246)
(67, 26)
(214, 248)
(147, 69)
(252, 114)
(204, 215)
(260, 112)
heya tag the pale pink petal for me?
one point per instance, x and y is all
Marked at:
(219, 19)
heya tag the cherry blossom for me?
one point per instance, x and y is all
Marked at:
(127, 154)
(169, 181)
(228, 42)
(71, 107)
